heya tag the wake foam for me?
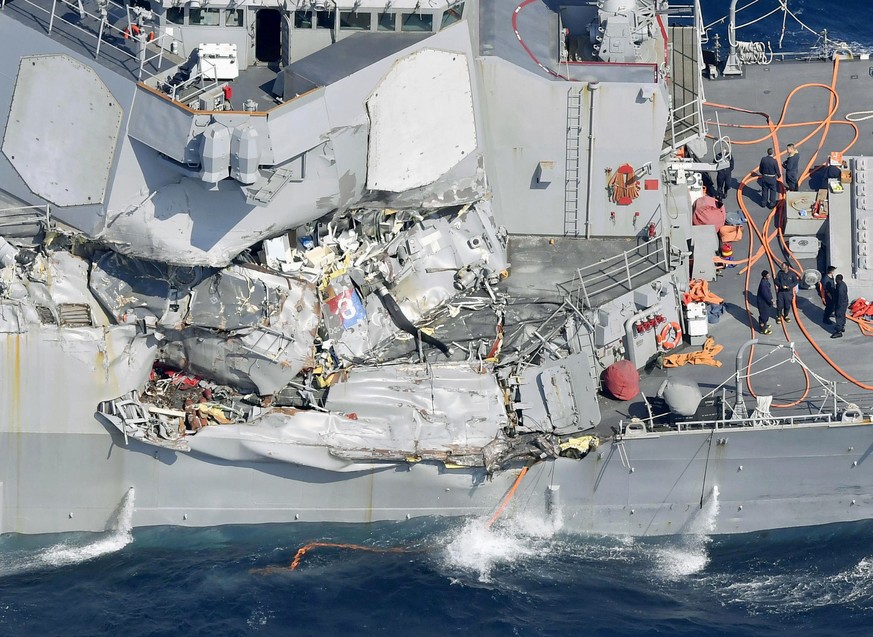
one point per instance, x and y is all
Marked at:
(479, 549)
(118, 535)
(688, 553)
(797, 591)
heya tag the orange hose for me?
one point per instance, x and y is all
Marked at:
(506, 500)
(824, 125)
(303, 550)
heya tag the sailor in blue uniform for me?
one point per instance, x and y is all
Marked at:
(829, 288)
(786, 281)
(723, 176)
(765, 303)
(841, 305)
(770, 173)
(792, 167)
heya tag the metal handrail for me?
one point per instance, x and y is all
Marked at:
(768, 422)
(103, 26)
(608, 273)
(696, 17)
(46, 208)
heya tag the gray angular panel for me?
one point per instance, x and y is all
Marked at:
(63, 129)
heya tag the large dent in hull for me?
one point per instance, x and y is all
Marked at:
(241, 325)
(185, 222)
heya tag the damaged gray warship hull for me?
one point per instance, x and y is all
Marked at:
(368, 261)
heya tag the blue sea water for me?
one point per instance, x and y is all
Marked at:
(846, 21)
(523, 577)
(453, 577)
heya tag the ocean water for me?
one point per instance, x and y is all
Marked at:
(438, 577)
(846, 21)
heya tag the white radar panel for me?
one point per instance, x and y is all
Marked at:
(62, 130)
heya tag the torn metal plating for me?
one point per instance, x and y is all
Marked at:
(372, 336)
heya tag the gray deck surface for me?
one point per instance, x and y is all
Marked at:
(347, 56)
(765, 90)
(537, 262)
(537, 27)
(80, 34)
(119, 55)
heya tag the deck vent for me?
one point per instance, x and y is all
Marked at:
(46, 316)
(75, 315)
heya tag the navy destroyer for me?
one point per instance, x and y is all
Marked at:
(319, 260)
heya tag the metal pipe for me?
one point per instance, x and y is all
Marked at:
(739, 385)
(592, 91)
(733, 65)
(732, 26)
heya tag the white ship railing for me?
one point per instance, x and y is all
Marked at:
(688, 117)
(26, 214)
(149, 50)
(619, 271)
(769, 422)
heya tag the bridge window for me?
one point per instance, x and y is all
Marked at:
(452, 14)
(176, 15)
(233, 17)
(354, 21)
(303, 19)
(324, 19)
(204, 17)
(416, 22)
(387, 21)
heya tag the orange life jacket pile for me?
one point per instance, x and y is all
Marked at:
(698, 290)
(705, 356)
(861, 309)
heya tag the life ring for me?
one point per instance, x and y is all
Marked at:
(670, 336)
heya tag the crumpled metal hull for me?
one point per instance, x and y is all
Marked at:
(759, 479)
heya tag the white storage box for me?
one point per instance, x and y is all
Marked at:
(218, 61)
(696, 319)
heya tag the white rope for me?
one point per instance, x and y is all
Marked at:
(859, 116)
(766, 15)
(754, 53)
(784, 4)
(723, 18)
(733, 376)
(784, 19)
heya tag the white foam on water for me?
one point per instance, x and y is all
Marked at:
(800, 590)
(479, 549)
(688, 553)
(118, 535)
(259, 617)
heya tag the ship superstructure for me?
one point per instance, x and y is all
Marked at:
(352, 262)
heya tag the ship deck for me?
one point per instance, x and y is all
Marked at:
(82, 34)
(771, 93)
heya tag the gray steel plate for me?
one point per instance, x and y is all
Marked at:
(62, 130)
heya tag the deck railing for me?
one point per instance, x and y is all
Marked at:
(624, 270)
(22, 215)
(686, 119)
(97, 26)
(770, 422)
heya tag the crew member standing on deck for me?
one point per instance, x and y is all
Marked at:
(723, 176)
(841, 305)
(770, 173)
(786, 281)
(829, 287)
(792, 168)
(765, 303)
